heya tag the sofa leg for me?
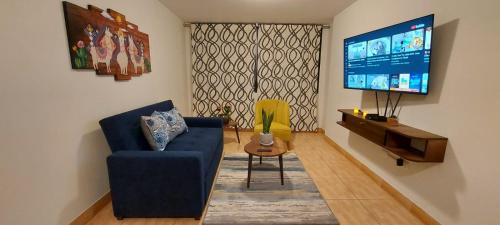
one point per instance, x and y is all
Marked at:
(119, 217)
(197, 218)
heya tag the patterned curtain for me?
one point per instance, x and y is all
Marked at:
(289, 60)
(225, 71)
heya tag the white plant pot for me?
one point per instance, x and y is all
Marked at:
(266, 139)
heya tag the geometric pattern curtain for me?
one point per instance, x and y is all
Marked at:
(223, 69)
(224, 61)
(289, 61)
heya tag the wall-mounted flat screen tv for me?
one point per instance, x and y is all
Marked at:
(395, 58)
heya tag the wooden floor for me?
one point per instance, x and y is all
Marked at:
(352, 196)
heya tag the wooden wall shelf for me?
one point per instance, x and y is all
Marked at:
(407, 142)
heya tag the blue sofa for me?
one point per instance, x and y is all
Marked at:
(175, 182)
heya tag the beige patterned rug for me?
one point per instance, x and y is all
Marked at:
(266, 201)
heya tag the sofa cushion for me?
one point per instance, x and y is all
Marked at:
(205, 140)
(156, 131)
(176, 123)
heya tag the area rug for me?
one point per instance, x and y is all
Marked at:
(266, 201)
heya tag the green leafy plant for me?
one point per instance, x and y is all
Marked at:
(266, 122)
(224, 113)
(227, 110)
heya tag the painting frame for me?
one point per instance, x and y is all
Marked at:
(104, 41)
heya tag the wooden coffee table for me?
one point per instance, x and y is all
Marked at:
(254, 148)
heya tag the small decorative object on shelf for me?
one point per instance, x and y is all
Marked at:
(393, 121)
(365, 113)
(224, 113)
(266, 137)
(356, 110)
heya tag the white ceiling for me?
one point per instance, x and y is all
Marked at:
(263, 11)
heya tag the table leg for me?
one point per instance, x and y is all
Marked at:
(261, 160)
(250, 157)
(237, 133)
(281, 169)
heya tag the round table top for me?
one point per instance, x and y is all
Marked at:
(278, 148)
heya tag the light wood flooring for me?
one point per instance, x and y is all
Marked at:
(353, 197)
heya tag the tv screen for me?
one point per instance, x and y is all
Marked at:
(395, 58)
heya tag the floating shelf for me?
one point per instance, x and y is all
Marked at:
(404, 141)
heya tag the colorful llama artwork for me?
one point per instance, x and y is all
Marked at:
(136, 54)
(122, 57)
(104, 52)
(105, 42)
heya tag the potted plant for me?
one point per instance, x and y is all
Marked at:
(225, 113)
(266, 137)
(392, 120)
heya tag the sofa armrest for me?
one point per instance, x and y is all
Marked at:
(157, 184)
(204, 122)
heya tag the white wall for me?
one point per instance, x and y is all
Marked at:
(324, 70)
(52, 163)
(189, 69)
(462, 105)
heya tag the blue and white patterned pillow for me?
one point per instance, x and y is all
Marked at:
(176, 123)
(155, 129)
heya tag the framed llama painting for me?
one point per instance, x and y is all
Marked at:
(102, 40)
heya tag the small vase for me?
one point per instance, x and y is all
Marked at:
(266, 138)
(225, 119)
(392, 121)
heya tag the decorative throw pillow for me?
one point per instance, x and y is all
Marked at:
(155, 129)
(176, 124)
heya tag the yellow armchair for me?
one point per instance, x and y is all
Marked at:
(280, 127)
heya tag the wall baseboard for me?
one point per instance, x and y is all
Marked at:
(318, 130)
(239, 129)
(92, 211)
(407, 203)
